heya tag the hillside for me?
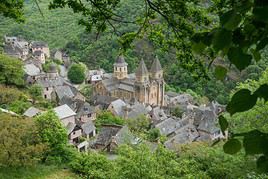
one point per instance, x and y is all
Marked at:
(57, 27)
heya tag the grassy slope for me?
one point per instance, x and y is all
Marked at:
(38, 172)
(57, 27)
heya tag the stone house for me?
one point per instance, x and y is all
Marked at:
(40, 56)
(16, 47)
(31, 112)
(88, 129)
(65, 114)
(85, 113)
(40, 46)
(111, 136)
(74, 133)
(32, 73)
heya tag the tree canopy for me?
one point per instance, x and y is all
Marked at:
(76, 73)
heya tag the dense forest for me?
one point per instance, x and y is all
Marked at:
(48, 156)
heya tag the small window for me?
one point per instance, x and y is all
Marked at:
(45, 96)
(89, 115)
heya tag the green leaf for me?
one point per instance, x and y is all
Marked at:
(220, 72)
(255, 142)
(262, 44)
(232, 146)
(222, 39)
(256, 55)
(223, 123)
(262, 92)
(198, 47)
(241, 101)
(230, 20)
(262, 163)
(238, 58)
(260, 13)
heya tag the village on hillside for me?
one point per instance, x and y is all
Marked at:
(125, 95)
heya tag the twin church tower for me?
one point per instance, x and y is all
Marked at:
(144, 86)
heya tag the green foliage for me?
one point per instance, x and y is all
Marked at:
(12, 9)
(232, 146)
(36, 92)
(87, 90)
(19, 106)
(58, 27)
(153, 134)
(220, 72)
(19, 143)
(176, 111)
(11, 71)
(93, 165)
(76, 74)
(9, 95)
(37, 171)
(195, 161)
(52, 132)
(107, 117)
(139, 124)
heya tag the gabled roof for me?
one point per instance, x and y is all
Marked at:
(156, 66)
(137, 110)
(142, 69)
(88, 127)
(62, 91)
(84, 109)
(38, 44)
(70, 127)
(31, 112)
(117, 106)
(64, 111)
(31, 70)
(167, 126)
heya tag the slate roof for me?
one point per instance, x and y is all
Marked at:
(51, 82)
(183, 135)
(64, 111)
(121, 134)
(31, 70)
(117, 106)
(70, 127)
(38, 44)
(137, 110)
(120, 61)
(142, 69)
(62, 91)
(106, 133)
(167, 126)
(88, 127)
(31, 112)
(84, 109)
(158, 115)
(156, 66)
(104, 101)
(113, 84)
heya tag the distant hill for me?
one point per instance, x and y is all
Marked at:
(57, 27)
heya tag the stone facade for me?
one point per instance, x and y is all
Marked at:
(144, 86)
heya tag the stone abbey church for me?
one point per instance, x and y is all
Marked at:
(143, 86)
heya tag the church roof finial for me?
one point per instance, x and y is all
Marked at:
(142, 69)
(156, 66)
